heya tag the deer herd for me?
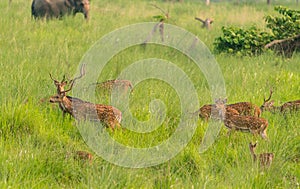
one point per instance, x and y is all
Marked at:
(241, 116)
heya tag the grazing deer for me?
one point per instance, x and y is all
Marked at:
(265, 159)
(233, 121)
(83, 110)
(115, 83)
(288, 106)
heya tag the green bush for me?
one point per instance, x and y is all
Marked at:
(242, 42)
(286, 26)
(252, 41)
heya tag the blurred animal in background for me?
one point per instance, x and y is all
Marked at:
(268, 105)
(205, 23)
(58, 8)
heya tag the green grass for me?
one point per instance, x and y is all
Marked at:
(34, 138)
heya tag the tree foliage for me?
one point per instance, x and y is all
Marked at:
(251, 41)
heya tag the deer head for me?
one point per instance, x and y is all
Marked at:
(220, 106)
(268, 105)
(252, 150)
(60, 85)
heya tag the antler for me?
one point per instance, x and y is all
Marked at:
(53, 78)
(199, 19)
(271, 92)
(64, 78)
(72, 81)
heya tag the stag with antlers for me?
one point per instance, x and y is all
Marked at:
(60, 88)
(83, 110)
(268, 105)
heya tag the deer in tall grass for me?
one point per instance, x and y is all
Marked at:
(60, 88)
(265, 159)
(83, 110)
(234, 121)
(268, 105)
(119, 84)
(241, 108)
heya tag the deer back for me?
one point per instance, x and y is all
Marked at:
(290, 106)
(212, 111)
(254, 125)
(266, 159)
(115, 84)
(246, 108)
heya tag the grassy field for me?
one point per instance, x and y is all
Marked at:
(34, 137)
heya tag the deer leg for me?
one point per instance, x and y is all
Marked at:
(229, 132)
(264, 135)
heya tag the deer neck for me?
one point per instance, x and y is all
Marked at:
(67, 104)
(253, 155)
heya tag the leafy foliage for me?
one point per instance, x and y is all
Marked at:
(242, 42)
(252, 41)
(286, 26)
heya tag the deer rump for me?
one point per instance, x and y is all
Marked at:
(246, 124)
(290, 106)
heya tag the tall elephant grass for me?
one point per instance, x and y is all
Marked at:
(35, 139)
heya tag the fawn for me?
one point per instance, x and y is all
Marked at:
(288, 106)
(242, 108)
(82, 110)
(233, 121)
(265, 159)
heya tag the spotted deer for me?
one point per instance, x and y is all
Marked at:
(246, 108)
(60, 86)
(119, 84)
(209, 111)
(265, 159)
(268, 105)
(241, 108)
(83, 110)
(233, 121)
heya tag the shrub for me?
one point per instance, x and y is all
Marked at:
(252, 41)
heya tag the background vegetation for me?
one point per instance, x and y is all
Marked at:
(34, 138)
